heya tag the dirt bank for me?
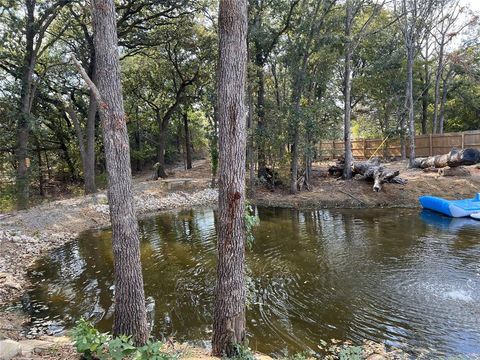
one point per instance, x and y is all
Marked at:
(329, 192)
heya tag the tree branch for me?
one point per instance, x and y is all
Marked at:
(102, 106)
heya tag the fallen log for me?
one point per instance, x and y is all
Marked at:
(372, 170)
(454, 158)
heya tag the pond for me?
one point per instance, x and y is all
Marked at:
(408, 279)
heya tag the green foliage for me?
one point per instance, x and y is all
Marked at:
(152, 350)
(242, 353)
(120, 347)
(88, 340)
(251, 220)
(95, 345)
(7, 197)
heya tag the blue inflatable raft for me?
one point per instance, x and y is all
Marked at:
(453, 208)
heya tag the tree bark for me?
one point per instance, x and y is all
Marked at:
(89, 164)
(35, 30)
(41, 182)
(86, 148)
(162, 142)
(188, 145)
(347, 132)
(438, 76)
(262, 157)
(130, 314)
(230, 292)
(294, 160)
(23, 127)
(410, 102)
(403, 148)
(250, 142)
(426, 85)
(443, 102)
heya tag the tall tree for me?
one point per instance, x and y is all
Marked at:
(414, 13)
(38, 18)
(87, 136)
(265, 36)
(448, 27)
(230, 292)
(303, 47)
(347, 92)
(353, 8)
(130, 313)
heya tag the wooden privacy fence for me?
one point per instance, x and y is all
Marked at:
(425, 145)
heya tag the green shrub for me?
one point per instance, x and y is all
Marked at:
(93, 344)
(242, 353)
(153, 350)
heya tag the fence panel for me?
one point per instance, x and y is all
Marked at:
(425, 145)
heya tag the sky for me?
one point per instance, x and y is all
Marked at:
(472, 4)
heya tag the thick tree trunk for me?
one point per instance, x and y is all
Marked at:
(130, 314)
(188, 145)
(230, 292)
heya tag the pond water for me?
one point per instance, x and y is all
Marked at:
(408, 279)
